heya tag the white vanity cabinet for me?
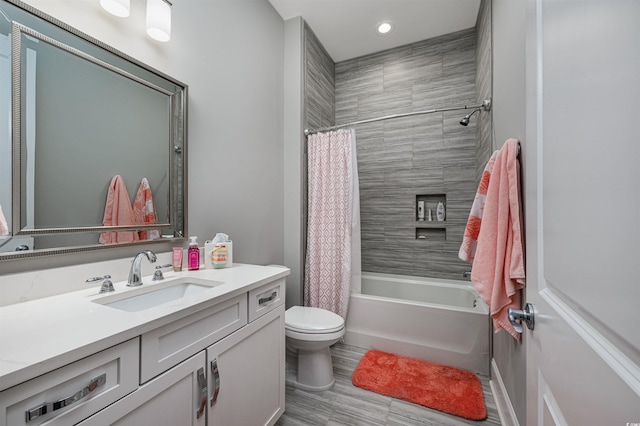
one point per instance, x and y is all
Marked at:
(71, 393)
(217, 361)
(234, 376)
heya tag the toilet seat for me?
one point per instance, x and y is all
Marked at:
(310, 320)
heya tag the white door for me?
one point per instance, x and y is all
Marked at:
(582, 203)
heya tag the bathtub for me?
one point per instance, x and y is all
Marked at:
(438, 320)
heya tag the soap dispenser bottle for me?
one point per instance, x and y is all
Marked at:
(440, 211)
(193, 254)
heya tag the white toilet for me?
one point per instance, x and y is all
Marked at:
(309, 333)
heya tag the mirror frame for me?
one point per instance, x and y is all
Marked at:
(177, 146)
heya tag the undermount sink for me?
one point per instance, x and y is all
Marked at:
(151, 295)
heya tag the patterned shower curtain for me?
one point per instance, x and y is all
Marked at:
(332, 264)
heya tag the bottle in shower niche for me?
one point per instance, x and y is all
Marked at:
(440, 211)
(193, 254)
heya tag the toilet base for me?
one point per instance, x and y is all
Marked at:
(314, 371)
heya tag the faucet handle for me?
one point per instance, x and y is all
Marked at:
(107, 285)
(157, 276)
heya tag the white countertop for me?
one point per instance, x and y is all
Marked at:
(48, 333)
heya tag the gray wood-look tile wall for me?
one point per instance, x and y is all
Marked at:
(484, 86)
(402, 158)
(319, 84)
(319, 100)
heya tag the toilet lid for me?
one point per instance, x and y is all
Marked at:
(306, 319)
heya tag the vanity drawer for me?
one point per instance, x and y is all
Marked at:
(74, 392)
(167, 346)
(266, 298)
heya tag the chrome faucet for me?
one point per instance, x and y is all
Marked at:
(135, 276)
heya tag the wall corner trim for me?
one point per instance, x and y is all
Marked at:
(503, 403)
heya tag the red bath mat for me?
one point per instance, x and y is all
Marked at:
(436, 386)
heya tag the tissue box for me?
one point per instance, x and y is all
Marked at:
(209, 248)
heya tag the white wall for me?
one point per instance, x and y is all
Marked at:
(230, 54)
(509, 120)
(293, 158)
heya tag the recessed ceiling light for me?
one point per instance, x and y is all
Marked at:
(384, 28)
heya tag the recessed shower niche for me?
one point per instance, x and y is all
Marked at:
(428, 227)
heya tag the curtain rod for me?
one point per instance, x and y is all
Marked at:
(486, 106)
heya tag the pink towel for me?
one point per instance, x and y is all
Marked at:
(470, 240)
(498, 267)
(118, 212)
(144, 210)
(4, 228)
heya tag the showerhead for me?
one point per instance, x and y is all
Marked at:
(465, 119)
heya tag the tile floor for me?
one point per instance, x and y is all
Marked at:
(346, 404)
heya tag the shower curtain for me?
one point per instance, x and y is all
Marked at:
(332, 264)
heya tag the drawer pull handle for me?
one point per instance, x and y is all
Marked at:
(216, 381)
(268, 299)
(202, 382)
(49, 407)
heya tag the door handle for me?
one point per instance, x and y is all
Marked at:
(527, 316)
(202, 384)
(216, 381)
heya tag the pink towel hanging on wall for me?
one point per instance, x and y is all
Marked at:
(118, 212)
(498, 271)
(4, 228)
(144, 211)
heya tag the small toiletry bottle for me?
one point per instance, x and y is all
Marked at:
(420, 210)
(177, 259)
(193, 255)
(440, 211)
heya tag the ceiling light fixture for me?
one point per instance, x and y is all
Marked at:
(384, 28)
(159, 19)
(119, 8)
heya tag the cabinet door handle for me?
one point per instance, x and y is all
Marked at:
(49, 407)
(216, 381)
(267, 299)
(202, 382)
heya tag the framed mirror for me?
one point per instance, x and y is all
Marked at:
(93, 142)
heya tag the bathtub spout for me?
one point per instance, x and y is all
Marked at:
(466, 274)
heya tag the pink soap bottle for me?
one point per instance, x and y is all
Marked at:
(193, 254)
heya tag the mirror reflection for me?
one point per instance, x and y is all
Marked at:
(96, 142)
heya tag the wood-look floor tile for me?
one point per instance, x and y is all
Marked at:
(346, 404)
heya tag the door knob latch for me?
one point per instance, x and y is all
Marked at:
(526, 316)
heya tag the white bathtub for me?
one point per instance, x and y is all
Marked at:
(442, 321)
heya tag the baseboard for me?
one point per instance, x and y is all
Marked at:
(503, 403)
